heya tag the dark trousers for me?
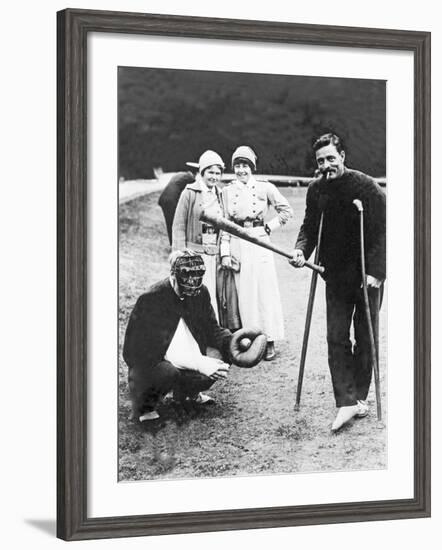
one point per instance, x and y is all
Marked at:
(148, 386)
(168, 218)
(351, 365)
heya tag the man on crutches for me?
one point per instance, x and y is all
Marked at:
(350, 240)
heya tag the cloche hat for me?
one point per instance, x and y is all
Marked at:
(208, 158)
(246, 153)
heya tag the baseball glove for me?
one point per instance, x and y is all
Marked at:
(247, 347)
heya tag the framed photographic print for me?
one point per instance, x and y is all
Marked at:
(243, 274)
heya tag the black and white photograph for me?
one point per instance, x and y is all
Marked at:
(220, 239)
(252, 274)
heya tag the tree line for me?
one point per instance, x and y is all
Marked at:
(167, 117)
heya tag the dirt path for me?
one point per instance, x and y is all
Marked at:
(252, 428)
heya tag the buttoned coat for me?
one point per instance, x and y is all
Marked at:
(187, 229)
(256, 282)
(170, 196)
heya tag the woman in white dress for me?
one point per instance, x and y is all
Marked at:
(247, 202)
(188, 231)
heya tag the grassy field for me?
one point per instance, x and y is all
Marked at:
(252, 428)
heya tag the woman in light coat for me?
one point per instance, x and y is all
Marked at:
(188, 231)
(247, 202)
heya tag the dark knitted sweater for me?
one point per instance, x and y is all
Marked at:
(154, 319)
(340, 245)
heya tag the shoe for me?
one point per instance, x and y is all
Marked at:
(203, 399)
(270, 351)
(344, 415)
(362, 409)
(151, 415)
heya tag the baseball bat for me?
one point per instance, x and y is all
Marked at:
(238, 231)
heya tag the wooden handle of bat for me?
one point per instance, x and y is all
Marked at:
(314, 267)
(319, 268)
(235, 229)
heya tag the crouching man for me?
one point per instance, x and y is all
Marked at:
(169, 331)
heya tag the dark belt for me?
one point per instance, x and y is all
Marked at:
(250, 223)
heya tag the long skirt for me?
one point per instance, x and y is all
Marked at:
(210, 261)
(257, 286)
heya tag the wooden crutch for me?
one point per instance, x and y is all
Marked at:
(374, 355)
(308, 319)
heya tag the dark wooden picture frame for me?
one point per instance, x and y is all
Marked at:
(73, 28)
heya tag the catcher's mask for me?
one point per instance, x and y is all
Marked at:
(189, 270)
